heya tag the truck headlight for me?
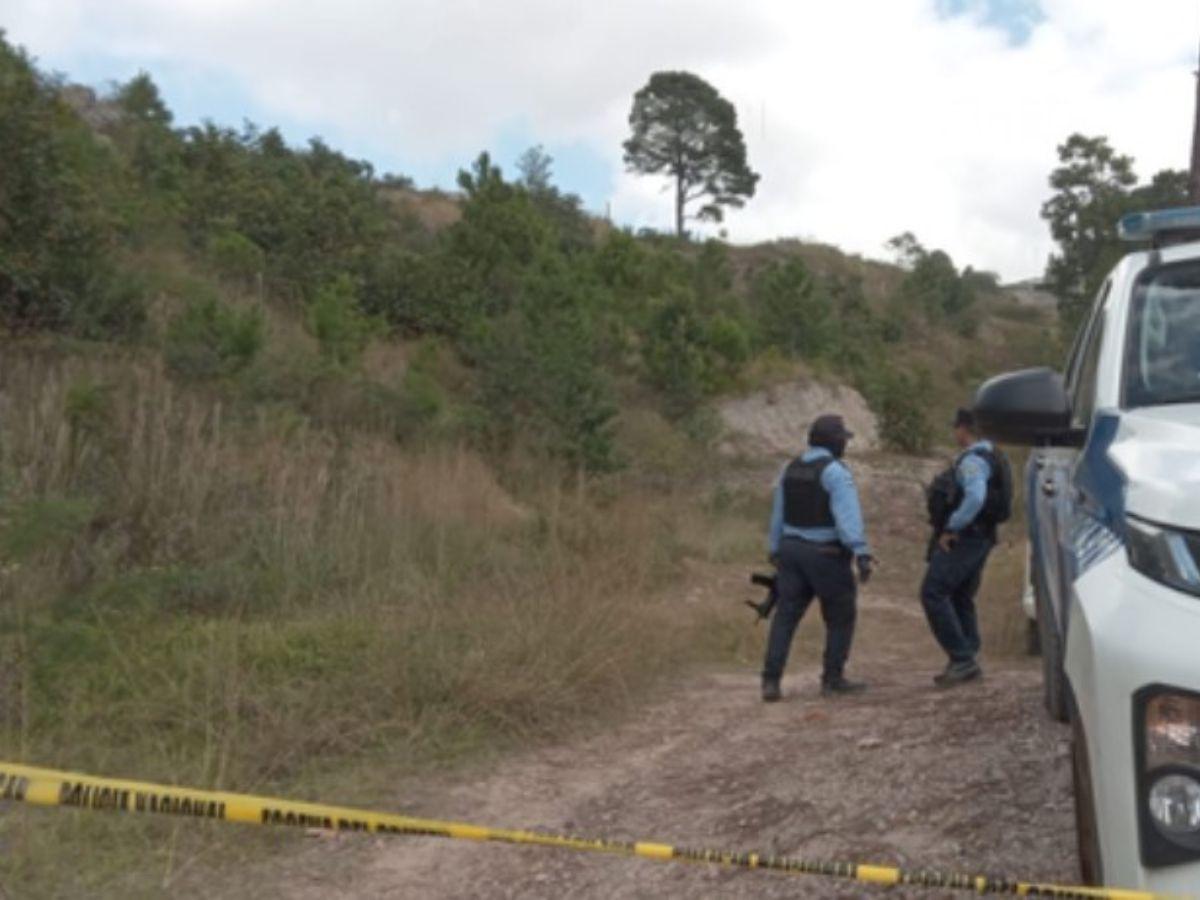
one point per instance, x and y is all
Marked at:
(1166, 555)
(1175, 804)
(1168, 751)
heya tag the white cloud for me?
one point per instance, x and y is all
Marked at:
(865, 118)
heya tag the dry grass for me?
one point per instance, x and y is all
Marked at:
(193, 592)
(254, 603)
(1002, 620)
(435, 210)
(1000, 611)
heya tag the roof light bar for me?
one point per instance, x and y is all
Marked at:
(1157, 224)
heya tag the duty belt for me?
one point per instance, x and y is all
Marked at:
(825, 548)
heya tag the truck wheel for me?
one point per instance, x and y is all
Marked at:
(1033, 640)
(1090, 866)
(1054, 692)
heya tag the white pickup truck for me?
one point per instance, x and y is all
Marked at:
(1114, 527)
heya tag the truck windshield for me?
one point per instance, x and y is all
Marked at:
(1162, 357)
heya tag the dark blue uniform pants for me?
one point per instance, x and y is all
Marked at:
(948, 595)
(807, 570)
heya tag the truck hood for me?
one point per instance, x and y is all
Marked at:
(1158, 450)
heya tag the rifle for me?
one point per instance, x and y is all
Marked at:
(766, 605)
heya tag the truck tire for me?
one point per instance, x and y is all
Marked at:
(1054, 681)
(1091, 867)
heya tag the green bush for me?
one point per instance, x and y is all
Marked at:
(730, 342)
(39, 525)
(677, 357)
(966, 322)
(209, 339)
(235, 255)
(793, 310)
(334, 318)
(540, 374)
(114, 308)
(59, 192)
(904, 421)
(421, 402)
(900, 401)
(934, 286)
(893, 326)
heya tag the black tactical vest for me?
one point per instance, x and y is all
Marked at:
(805, 501)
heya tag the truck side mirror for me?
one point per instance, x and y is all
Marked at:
(1026, 407)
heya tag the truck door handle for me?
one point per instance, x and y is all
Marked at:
(1049, 488)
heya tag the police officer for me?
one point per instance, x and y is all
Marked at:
(816, 530)
(958, 557)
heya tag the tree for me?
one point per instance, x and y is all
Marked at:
(793, 309)
(934, 286)
(535, 166)
(1167, 188)
(539, 370)
(683, 128)
(907, 250)
(1094, 186)
(151, 148)
(336, 320)
(59, 188)
(497, 239)
(563, 211)
(1091, 186)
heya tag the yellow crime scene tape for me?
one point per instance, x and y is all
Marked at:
(49, 787)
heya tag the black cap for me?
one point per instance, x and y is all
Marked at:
(828, 428)
(964, 418)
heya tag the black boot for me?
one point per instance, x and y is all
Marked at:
(770, 690)
(841, 685)
(958, 673)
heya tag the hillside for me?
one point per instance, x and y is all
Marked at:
(310, 480)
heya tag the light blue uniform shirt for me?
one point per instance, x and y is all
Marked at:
(843, 502)
(972, 473)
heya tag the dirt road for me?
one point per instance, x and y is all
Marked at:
(974, 779)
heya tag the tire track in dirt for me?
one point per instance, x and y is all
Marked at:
(906, 775)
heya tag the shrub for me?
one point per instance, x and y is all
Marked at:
(900, 401)
(793, 309)
(235, 255)
(966, 322)
(676, 356)
(58, 194)
(334, 318)
(39, 525)
(209, 338)
(540, 373)
(114, 308)
(730, 342)
(904, 422)
(935, 286)
(421, 402)
(893, 326)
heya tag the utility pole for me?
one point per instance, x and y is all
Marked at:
(1194, 172)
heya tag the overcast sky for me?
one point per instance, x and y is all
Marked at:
(865, 118)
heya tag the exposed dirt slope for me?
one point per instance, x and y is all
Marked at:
(775, 421)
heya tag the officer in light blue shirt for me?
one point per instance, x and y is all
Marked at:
(961, 551)
(816, 531)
